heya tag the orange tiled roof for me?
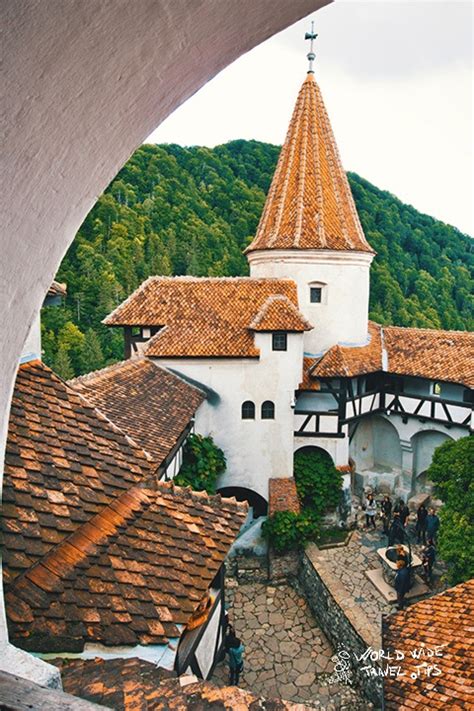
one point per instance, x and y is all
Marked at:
(203, 316)
(438, 355)
(278, 313)
(136, 685)
(282, 495)
(445, 620)
(57, 289)
(310, 204)
(127, 576)
(418, 352)
(146, 401)
(64, 462)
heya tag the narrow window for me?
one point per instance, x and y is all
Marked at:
(279, 341)
(315, 294)
(436, 388)
(248, 410)
(268, 410)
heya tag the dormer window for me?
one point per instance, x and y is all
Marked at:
(146, 332)
(315, 294)
(279, 341)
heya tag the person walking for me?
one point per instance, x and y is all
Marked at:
(386, 513)
(428, 558)
(396, 532)
(432, 525)
(402, 583)
(235, 650)
(421, 516)
(370, 511)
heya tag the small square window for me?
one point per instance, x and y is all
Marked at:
(315, 294)
(279, 341)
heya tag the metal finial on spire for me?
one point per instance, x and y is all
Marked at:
(311, 55)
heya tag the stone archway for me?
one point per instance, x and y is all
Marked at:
(258, 504)
(424, 444)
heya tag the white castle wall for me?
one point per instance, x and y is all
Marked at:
(255, 449)
(342, 316)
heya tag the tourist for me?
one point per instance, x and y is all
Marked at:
(404, 513)
(402, 583)
(235, 650)
(396, 533)
(386, 513)
(370, 511)
(432, 525)
(421, 515)
(428, 558)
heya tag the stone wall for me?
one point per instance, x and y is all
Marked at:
(283, 567)
(339, 617)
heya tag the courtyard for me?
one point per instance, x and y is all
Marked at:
(286, 654)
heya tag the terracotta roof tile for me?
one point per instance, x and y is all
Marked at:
(57, 289)
(429, 353)
(64, 461)
(278, 313)
(151, 554)
(202, 317)
(282, 495)
(147, 402)
(425, 353)
(310, 204)
(445, 620)
(136, 685)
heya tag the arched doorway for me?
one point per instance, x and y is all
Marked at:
(375, 446)
(424, 444)
(258, 505)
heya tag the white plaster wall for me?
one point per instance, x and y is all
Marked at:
(208, 642)
(424, 445)
(343, 315)
(338, 448)
(255, 449)
(362, 446)
(84, 83)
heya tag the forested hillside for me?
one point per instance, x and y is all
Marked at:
(174, 210)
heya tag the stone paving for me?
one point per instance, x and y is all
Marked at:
(350, 562)
(286, 654)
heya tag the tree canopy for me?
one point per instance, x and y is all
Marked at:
(175, 210)
(451, 471)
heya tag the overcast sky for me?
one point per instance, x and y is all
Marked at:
(396, 78)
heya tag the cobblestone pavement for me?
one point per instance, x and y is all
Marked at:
(350, 562)
(286, 654)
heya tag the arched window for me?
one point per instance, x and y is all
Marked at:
(268, 410)
(248, 410)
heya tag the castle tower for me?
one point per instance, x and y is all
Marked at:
(310, 231)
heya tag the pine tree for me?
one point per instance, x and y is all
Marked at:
(91, 357)
(62, 364)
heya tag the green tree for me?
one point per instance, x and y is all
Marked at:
(91, 356)
(62, 364)
(451, 471)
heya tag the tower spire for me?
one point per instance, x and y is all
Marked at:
(311, 36)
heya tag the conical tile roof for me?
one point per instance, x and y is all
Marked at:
(310, 204)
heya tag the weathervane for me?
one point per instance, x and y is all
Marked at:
(311, 55)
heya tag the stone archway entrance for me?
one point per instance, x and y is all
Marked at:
(376, 451)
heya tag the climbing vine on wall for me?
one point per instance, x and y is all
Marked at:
(203, 462)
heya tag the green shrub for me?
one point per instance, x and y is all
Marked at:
(287, 531)
(318, 482)
(203, 462)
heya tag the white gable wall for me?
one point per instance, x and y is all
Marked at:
(256, 450)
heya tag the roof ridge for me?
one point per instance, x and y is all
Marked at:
(103, 372)
(82, 540)
(176, 375)
(215, 500)
(430, 330)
